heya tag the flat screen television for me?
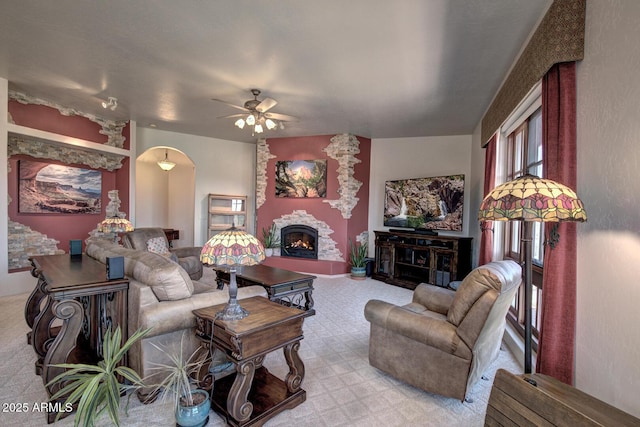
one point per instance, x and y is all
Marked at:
(433, 203)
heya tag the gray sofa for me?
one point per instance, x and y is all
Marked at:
(187, 257)
(162, 296)
(443, 341)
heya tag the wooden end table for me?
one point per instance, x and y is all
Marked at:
(73, 289)
(253, 395)
(283, 286)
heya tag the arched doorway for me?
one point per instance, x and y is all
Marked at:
(166, 198)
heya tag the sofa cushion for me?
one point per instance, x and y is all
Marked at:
(167, 279)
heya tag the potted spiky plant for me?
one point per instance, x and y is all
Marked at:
(358, 260)
(96, 389)
(270, 240)
(176, 380)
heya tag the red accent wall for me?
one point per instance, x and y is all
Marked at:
(64, 227)
(310, 148)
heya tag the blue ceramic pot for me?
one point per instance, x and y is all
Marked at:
(359, 273)
(194, 416)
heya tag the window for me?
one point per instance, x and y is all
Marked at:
(524, 155)
(520, 152)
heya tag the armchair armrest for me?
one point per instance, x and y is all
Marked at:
(430, 331)
(186, 252)
(434, 298)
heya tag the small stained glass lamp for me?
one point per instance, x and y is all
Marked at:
(531, 199)
(232, 248)
(115, 225)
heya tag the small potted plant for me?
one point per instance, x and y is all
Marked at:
(96, 389)
(271, 240)
(358, 260)
(177, 380)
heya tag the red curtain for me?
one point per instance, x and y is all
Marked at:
(486, 227)
(557, 330)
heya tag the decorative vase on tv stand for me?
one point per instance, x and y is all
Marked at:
(358, 260)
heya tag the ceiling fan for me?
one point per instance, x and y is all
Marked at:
(256, 114)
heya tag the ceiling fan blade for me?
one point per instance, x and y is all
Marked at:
(229, 104)
(233, 116)
(266, 104)
(281, 117)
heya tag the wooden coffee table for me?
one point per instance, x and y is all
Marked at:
(283, 286)
(253, 395)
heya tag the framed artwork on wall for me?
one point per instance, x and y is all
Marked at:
(301, 178)
(45, 187)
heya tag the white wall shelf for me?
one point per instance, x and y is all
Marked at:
(54, 138)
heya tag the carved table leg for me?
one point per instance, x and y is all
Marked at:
(309, 303)
(296, 367)
(42, 335)
(237, 404)
(71, 313)
(32, 307)
(203, 377)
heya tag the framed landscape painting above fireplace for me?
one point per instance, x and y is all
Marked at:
(51, 188)
(301, 178)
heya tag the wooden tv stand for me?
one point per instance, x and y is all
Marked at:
(406, 258)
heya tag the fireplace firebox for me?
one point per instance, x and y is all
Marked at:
(299, 241)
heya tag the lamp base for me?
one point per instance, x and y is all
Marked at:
(232, 311)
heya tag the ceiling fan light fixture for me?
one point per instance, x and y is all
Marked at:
(165, 164)
(239, 123)
(256, 116)
(270, 124)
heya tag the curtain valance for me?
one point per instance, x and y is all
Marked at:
(558, 38)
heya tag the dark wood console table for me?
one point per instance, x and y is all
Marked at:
(406, 258)
(253, 395)
(74, 289)
(283, 286)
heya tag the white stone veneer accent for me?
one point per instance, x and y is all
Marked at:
(68, 155)
(344, 148)
(263, 155)
(327, 250)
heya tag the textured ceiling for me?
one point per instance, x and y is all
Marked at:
(375, 68)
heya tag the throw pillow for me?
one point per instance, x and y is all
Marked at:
(158, 245)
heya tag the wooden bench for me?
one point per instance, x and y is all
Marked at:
(541, 400)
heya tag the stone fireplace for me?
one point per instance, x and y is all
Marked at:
(337, 217)
(299, 241)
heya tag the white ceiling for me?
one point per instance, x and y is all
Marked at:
(374, 68)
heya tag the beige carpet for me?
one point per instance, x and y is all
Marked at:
(342, 389)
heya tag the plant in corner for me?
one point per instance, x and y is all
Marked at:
(191, 404)
(270, 239)
(358, 260)
(97, 388)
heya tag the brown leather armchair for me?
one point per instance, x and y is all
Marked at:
(188, 257)
(443, 341)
